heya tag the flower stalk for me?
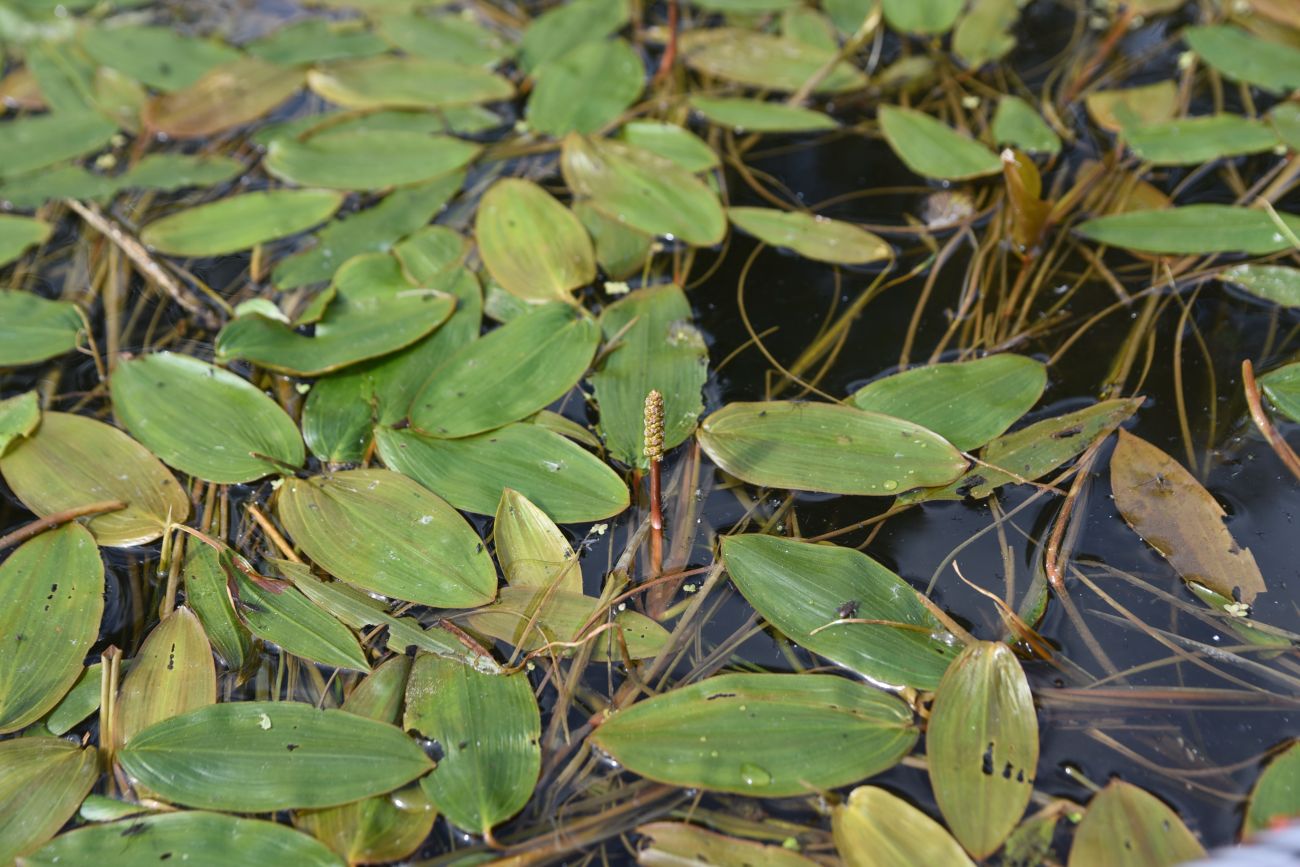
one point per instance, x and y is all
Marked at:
(654, 452)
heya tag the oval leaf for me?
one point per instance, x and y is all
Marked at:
(366, 159)
(877, 829)
(1192, 229)
(752, 115)
(1236, 53)
(1283, 389)
(173, 673)
(16, 235)
(1190, 140)
(1276, 283)
(669, 844)
(531, 244)
(531, 550)
(290, 620)
(1126, 827)
(406, 82)
(239, 222)
(226, 96)
(812, 236)
(585, 89)
(33, 328)
(42, 782)
(933, 149)
(1276, 794)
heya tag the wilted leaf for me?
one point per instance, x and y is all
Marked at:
(33, 328)
(1168, 507)
(1127, 827)
(42, 782)
(531, 244)
(878, 829)
(811, 236)
(678, 844)
(1130, 107)
(227, 96)
(529, 617)
(933, 149)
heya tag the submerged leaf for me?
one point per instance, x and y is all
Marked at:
(42, 782)
(531, 244)
(33, 328)
(240, 222)
(1172, 511)
(878, 829)
(1127, 827)
(689, 736)
(530, 617)
(811, 236)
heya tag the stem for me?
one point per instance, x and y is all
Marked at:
(40, 525)
(654, 451)
(1262, 421)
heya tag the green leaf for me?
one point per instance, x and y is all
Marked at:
(875, 828)
(764, 61)
(565, 26)
(802, 589)
(1282, 386)
(290, 620)
(53, 587)
(489, 727)
(1165, 505)
(258, 756)
(157, 56)
(162, 171)
(19, 416)
(984, 33)
(33, 143)
(383, 532)
(657, 348)
(172, 674)
(366, 159)
(933, 149)
(826, 447)
(1285, 118)
(239, 222)
(1277, 284)
(922, 16)
(60, 182)
(530, 549)
(642, 190)
(194, 839)
(672, 142)
(1237, 54)
(967, 403)
(316, 40)
(42, 782)
(374, 230)
(375, 829)
(811, 236)
(566, 481)
(1132, 107)
(511, 372)
(753, 115)
(1034, 451)
(620, 251)
(585, 89)
(744, 7)
(376, 310)
(203, 420)
(33, 328)
(530, 617)
(16, 235)
(1190, 140)
(982, 746)
(227, 96)
(672, 843)
(1192, 229)
(1275, 795)
(1016, 122)
(1127, 827)
(444, 37)
(531, 244)
(406, 82)
(206, 592)
(74, 461)
(689, 735)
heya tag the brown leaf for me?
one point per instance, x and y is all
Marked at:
(1167, 507)
(229, 95)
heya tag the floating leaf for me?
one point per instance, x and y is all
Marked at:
(406, 82)
(1275, 283)
(487, 772)
(53, 588)
(531, 244)
(33, 328)
(42, 782)
(531, 550)
(162, 171)
(1191, 140)
(620, 251)
(157, 56)
(1193, 229)
(566, 481)
(288, 619)
(932, 148)
(530, 617)
(982, 746)
(688, 736)
(642, 190)
(207, 593)
(922, 16)
(984, 33)
(375, 829)
(1034, 451)
(967, 403)
(1017, 123)
(1276, 793)
(802, 589)
(1168, 507)
(1132, 107)
(316, 40)
(203, 420)
(826, 447)
(511, 372)
(33, 143)
(565, 26)
(240, 222)
(74, 461)
(1283, 389)
(877, 829)
(16, 235)
(173, 673)
(1127, 827)
(227, 96)
(445, 37)
(375, 310)
(585, 89)
(1237, 54)
(672, 142)
(764, 61)
(19, 416)
(192, 838)
(383, 532)
(752, 115)
(258, 756)
(669, 844)
(366, 159)
(812, 236)
(657, 348)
